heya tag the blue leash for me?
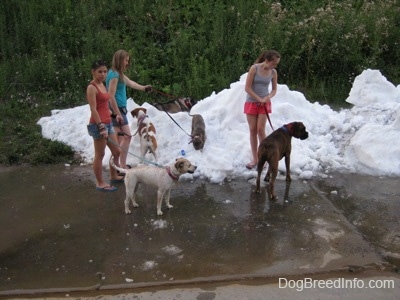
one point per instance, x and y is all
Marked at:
(145, 160)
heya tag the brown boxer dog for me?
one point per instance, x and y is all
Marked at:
(273, 148)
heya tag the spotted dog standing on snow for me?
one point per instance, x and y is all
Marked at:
(147, 133)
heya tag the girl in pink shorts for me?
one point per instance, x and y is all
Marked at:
(261, 76)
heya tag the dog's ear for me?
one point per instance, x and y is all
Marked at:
(135, 112)
(179, 164)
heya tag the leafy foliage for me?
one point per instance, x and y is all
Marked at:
(184, 48)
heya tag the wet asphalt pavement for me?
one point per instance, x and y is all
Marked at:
(57, 231)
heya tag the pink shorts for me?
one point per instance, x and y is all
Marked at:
(257, 108)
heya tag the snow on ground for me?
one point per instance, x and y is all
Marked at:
(364, 139)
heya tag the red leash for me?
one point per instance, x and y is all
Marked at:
(269, 120)
(164, 94)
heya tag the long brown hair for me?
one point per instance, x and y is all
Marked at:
(267, 55)
(118, 62)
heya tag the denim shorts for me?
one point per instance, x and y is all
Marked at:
(94, 132)
(114, 120)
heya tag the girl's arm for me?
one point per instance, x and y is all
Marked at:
(274, 84)
(112, 89)
(135, 85)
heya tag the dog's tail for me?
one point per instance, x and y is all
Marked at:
(112, 164)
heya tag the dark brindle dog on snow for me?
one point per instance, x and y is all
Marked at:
(198, 132)
(176, 105)
(273, 148)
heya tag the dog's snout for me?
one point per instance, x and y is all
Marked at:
(192, 169)
(304, 136)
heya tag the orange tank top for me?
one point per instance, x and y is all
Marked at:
(102, 106)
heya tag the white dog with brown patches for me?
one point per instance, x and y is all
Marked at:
(161, 177)
(147, 133)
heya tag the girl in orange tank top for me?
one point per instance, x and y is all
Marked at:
(100, 126)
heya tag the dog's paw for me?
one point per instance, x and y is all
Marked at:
(128, 211)
(159, 213)
(169, 206)
(135, 205)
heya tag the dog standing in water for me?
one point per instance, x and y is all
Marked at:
(162, 178)
(273, 148)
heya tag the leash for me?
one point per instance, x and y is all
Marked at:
(122, 132)
(164, 94)
(174, 98)
(269, 120)
(176, 123)
(144, 160)
(140, 120)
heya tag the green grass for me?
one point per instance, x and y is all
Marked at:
(186, 48)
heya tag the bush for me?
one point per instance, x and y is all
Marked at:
(185, 48)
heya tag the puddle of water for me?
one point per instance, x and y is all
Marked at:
(371, 204)
(56, 230)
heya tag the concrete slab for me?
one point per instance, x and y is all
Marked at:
(68, 238)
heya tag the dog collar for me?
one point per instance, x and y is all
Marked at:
(142, 117)
(287, 128)
(176, 178)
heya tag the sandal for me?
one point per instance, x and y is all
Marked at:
(108, 188)
(116, 180)
(251, 165)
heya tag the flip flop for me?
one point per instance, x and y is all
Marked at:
(108, 188)
(250, 166)
(117, 180)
